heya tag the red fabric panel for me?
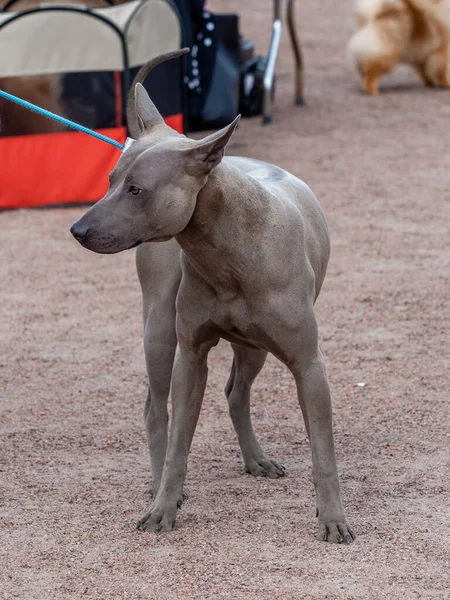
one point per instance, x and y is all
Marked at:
(59, 168)
(56, 168)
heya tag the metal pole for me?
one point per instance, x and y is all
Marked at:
(270, 68)
(297, 54)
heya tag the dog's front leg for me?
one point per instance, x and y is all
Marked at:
(159, 270)
(160, 342)
(188, 387)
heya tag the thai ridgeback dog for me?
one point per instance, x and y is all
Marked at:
(246, 259)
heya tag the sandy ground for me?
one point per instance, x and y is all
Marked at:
(74, 462)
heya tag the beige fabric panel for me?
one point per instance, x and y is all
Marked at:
(154, 29)
(121, 13)
(58, 42)
(62, 41)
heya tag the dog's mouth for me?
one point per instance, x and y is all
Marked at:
(151, 240)
(111, 246)
(107, 243)
(164, 238)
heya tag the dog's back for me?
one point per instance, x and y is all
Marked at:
(383, 30)
(405, 22)
(368, 11)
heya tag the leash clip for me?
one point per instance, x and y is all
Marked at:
(128, 143)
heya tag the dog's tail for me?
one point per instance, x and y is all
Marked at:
(370, 10)
(133, 126)
(426, 6)
(438, 11)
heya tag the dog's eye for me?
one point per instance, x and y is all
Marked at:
(134, 190)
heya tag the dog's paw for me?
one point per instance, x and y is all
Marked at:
(158, 518)
(335, 531)
(265, 467)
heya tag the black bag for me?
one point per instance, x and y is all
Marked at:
(223, 77)
(252, 86)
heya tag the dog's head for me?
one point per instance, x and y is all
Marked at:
(154, 187)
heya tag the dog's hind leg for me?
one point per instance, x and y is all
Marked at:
(246, 366)
(159, 273)
(434, 71)
(420, 68)
(304, 359)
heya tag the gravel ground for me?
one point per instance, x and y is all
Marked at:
(74, 463)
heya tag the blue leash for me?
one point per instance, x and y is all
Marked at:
(64, 121)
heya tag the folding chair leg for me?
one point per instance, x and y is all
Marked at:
(270, 71)
(272, 57)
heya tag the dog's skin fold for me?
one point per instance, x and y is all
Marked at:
(254, 251)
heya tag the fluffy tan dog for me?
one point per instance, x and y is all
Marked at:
(389, 32)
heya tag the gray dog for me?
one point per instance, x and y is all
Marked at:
(254, 251)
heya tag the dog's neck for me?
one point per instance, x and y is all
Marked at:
(221, 239)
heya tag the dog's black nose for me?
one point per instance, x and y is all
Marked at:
(78, 231)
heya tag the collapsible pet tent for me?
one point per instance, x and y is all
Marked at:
(80, 61)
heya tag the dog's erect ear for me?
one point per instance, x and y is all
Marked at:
(146, 112)
(204, 155)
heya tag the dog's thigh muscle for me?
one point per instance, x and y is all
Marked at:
(436, 69)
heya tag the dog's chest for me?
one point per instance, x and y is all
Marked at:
(237, 322)
(230, 313)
